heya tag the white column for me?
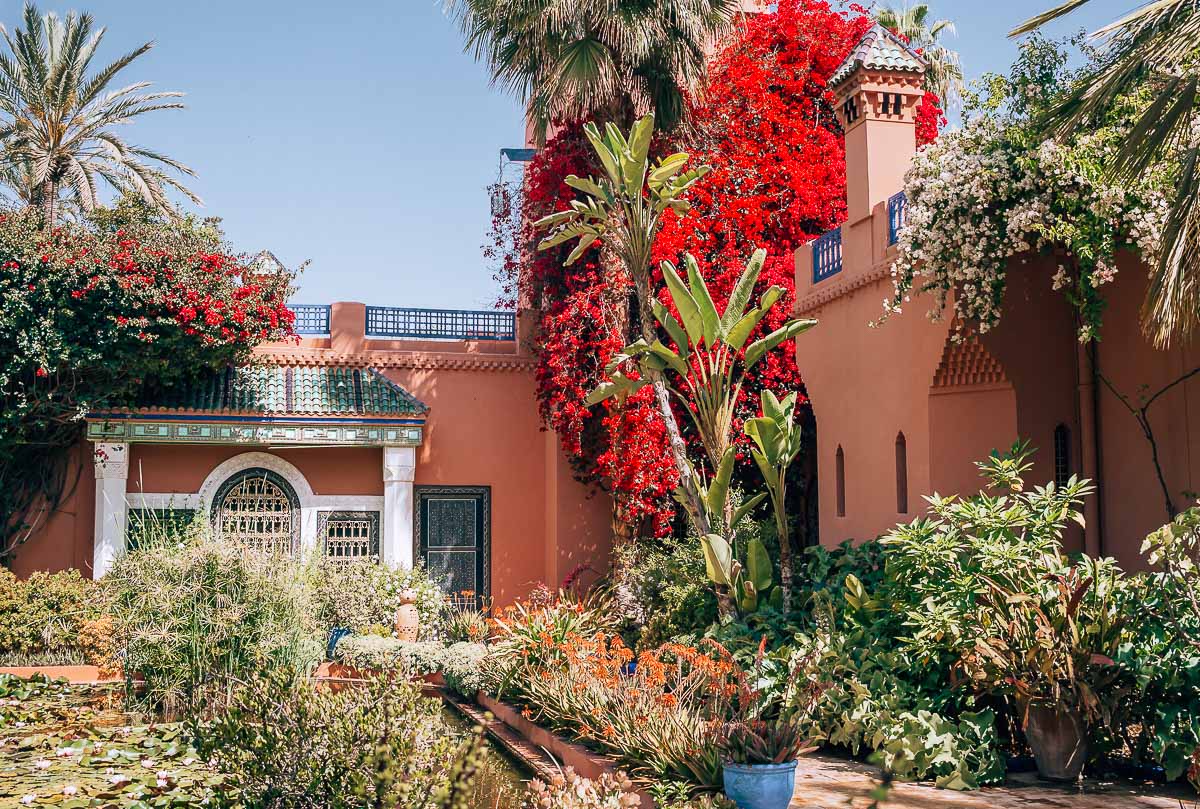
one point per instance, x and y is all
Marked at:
(399, 469)
(112, 470)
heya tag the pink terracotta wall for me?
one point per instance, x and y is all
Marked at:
(64, 540)
(1132, 503)
(867, 386)
(957, 402)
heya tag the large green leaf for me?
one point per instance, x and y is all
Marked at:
(766, 467)
(758, 565)
(619, 385)
(739, 299)
(704, 302)
(745, 508)
(718, 559)
(668, 321)
(740, 333)
(759, 348)
(639, 152)
(666, 169)
(718, 490)
(688, 309)
(586, 185)
(669, 357)
(585, 242)
(607, 158)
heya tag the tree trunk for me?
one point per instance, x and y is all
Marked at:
(49, 194)
(785, 547)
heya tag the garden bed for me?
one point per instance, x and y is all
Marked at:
(589, 764)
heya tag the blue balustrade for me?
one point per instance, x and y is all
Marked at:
(391, 322)
(897, 214)
(827, 255)
(310, 318)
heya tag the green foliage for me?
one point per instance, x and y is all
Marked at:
(778, 441)
(662, 590)
(193, 614)
(287, 743)
(361, 594)
(93, 319)
(44, 614)
(532, 633)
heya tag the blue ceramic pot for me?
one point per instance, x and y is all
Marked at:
(760, 786)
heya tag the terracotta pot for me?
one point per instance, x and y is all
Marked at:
(1059, 741)
(408, 622)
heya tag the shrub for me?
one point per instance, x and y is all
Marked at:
(462, 668)
(101, 314)
(42, 617)
(662, 592)
(465, 618)
(193, 614)
(531, 633)
(286, 743)
(358, 595)
(655, 718)
(376, 653)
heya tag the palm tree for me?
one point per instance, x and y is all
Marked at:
(944, 74)
(57, 122)
(608, 59)
(1151, 50)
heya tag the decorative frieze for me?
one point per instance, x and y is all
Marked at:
(147, 431)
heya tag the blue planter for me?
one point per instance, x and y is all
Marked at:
(760, 786)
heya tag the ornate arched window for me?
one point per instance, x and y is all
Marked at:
(257, 508)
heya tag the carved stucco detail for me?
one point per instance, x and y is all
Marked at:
(967, 363)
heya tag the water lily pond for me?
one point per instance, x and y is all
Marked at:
(70, 746)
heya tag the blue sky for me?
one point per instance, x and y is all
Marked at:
(360, 136)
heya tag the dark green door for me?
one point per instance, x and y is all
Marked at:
(454, 534)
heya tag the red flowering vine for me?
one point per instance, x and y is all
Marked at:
(766, 126)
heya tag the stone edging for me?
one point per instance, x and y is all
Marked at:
(589, 764)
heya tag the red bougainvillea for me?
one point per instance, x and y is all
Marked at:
(930, 119)
(766, 126)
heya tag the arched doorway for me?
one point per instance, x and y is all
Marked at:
(259, 509)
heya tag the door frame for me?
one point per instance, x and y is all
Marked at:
(483, 565)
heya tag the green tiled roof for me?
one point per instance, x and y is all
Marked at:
(879, 49)
(296, 391)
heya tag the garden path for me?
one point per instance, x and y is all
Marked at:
(827, 782)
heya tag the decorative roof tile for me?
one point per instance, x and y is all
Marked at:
(274, 390)
(879, 49)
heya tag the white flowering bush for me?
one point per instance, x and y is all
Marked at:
(992, 192)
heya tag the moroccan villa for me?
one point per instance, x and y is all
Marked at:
(387, 433)
(408, 434)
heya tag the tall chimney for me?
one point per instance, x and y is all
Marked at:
(877, 90)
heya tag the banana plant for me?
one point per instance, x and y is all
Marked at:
(777, 441)
(622, 210)
(712, 352)
(750, 583)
